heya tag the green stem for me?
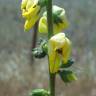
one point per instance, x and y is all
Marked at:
(50, 33)
(49, 18)
(52, 84)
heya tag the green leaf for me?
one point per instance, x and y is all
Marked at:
(39, 92)
(67, 76)
(68, 64)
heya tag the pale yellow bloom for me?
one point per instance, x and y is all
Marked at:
(26, 4)
(60, 22)
(59, 49)
(43, 25)
(23, 4)
(30, 22)
(30, 11)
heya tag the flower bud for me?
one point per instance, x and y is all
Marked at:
(39, 92)
(38, 53)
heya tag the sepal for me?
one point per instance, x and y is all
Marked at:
(69, 63)
(67, 76)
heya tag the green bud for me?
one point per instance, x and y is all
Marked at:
(39, 92)
(45, 48)
(43, 45)
(67, 76)
(38, 53)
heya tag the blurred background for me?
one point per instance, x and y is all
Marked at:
(19, 74)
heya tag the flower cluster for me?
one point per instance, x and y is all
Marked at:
(58, 47)
(31, 12)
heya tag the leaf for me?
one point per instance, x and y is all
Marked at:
(67, 76)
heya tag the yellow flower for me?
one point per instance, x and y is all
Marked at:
(59, 49)
(23, 4)
(59, 21)
(30, 11)
(30, 22)
(43, 25)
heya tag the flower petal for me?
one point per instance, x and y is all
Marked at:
(29, 4)
(32, 11)
(30, 23)
(43, 25)
(59, 48)
(23, 4)
(66, 50)
(54, 58)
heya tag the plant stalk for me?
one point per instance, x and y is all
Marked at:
(49, 18)
(52, 84)
(34, 38)
(50, 34)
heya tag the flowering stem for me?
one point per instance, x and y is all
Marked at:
(52, 84)
(50, 33)
(49, 18)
